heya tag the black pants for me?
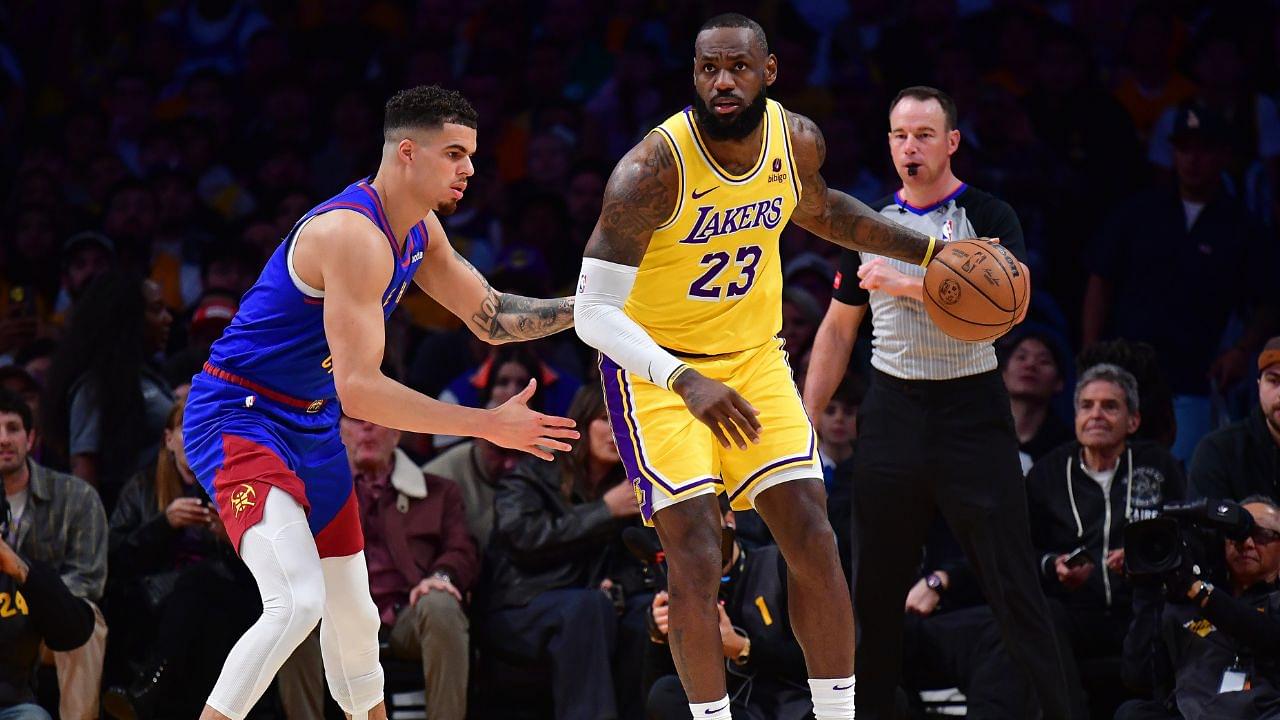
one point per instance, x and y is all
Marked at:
(1146, 710)
(575, 631)
(946, 446)
(963, 649)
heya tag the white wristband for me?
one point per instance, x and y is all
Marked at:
(603, 288)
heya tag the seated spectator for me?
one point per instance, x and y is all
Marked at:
(35, 608)
(801, 315)
(203, 325)
(560, 574)
(766, 673)
(1081, 496)
(1209, 652)
(160, 526)
(502, 374)
(1033, 375)
(951, 637)
(475, 466)
(422, 561)
(1243, 459)
(1155, 399)
(58, 521)
(105, 362)
(837, 426)
(85, 257)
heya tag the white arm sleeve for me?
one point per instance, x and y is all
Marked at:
(597, 315)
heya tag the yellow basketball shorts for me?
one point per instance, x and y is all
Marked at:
(670, 455)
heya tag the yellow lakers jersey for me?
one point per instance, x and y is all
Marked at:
(711, 280)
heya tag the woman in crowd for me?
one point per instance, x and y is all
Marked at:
(117, 328)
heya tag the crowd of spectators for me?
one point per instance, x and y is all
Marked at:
(155, 155)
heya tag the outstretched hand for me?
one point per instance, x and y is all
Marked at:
(513, 425)
(731, 418)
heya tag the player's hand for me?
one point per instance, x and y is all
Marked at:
(878, 274)
(1072, 578)
(515, 426)
(661, 609)
(731, 418)
(435, 583)
(621, 500)
(922, 600)
(185, 512)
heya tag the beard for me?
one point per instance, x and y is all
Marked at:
(735, 127)
(447, 208)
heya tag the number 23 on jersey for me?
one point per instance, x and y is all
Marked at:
(726, 276)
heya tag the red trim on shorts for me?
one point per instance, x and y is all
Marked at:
(343, 535)
(248, 473)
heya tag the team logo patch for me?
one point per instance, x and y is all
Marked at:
(243, 498)
(777, 164)
(949, 292)
(315, 406)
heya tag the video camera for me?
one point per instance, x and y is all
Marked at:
(1176, 540)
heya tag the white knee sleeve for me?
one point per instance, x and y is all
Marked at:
(281, 554)
(349, 635)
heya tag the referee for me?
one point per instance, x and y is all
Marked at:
(934, 431)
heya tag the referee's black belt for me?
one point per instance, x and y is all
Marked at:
(982, 379)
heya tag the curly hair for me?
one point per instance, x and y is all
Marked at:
(426, 106)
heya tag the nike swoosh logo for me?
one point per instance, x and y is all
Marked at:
(714, 710)
(842, 687)
(697, 194)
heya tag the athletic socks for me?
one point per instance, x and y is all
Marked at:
(718, 710)
(832, 699)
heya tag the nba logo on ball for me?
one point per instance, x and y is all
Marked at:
(949, 292)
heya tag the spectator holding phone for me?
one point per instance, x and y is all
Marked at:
(1081, 497)
(161, 525)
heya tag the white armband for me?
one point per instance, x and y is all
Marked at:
(603, 288)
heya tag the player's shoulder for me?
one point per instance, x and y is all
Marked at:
(807, 141)
(881, 203)
(340, 225)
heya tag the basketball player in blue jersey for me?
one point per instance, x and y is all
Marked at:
(261, 426)
(681, 291)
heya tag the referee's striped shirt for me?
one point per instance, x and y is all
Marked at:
(905, 343)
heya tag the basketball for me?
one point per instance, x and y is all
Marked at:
(974, 290)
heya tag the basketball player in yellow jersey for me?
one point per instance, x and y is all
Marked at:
(680, 291)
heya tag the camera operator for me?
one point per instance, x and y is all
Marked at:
(1211, 652)
(1081, 497)
(765, 666)
(35, 607)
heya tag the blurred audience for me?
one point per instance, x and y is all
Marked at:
(1243, 459)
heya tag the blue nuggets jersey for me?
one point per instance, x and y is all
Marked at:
(276, 344)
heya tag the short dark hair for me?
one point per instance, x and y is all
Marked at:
(427, 106)
(738, 20)
(924, 92)
(11, 402)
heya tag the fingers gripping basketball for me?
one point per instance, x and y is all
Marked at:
(975, 290)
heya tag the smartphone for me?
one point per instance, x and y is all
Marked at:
(1077, 558)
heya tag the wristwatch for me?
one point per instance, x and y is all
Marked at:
(934, 582)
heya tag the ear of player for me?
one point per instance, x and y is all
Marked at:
(975, 290)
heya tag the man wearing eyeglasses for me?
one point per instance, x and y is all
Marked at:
(1212, 652)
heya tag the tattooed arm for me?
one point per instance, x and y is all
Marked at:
(839, 218)
(495, 317)
(641, 194)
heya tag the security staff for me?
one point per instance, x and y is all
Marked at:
(935, 430)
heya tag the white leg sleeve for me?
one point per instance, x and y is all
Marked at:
(281, 554)
(349, 636)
